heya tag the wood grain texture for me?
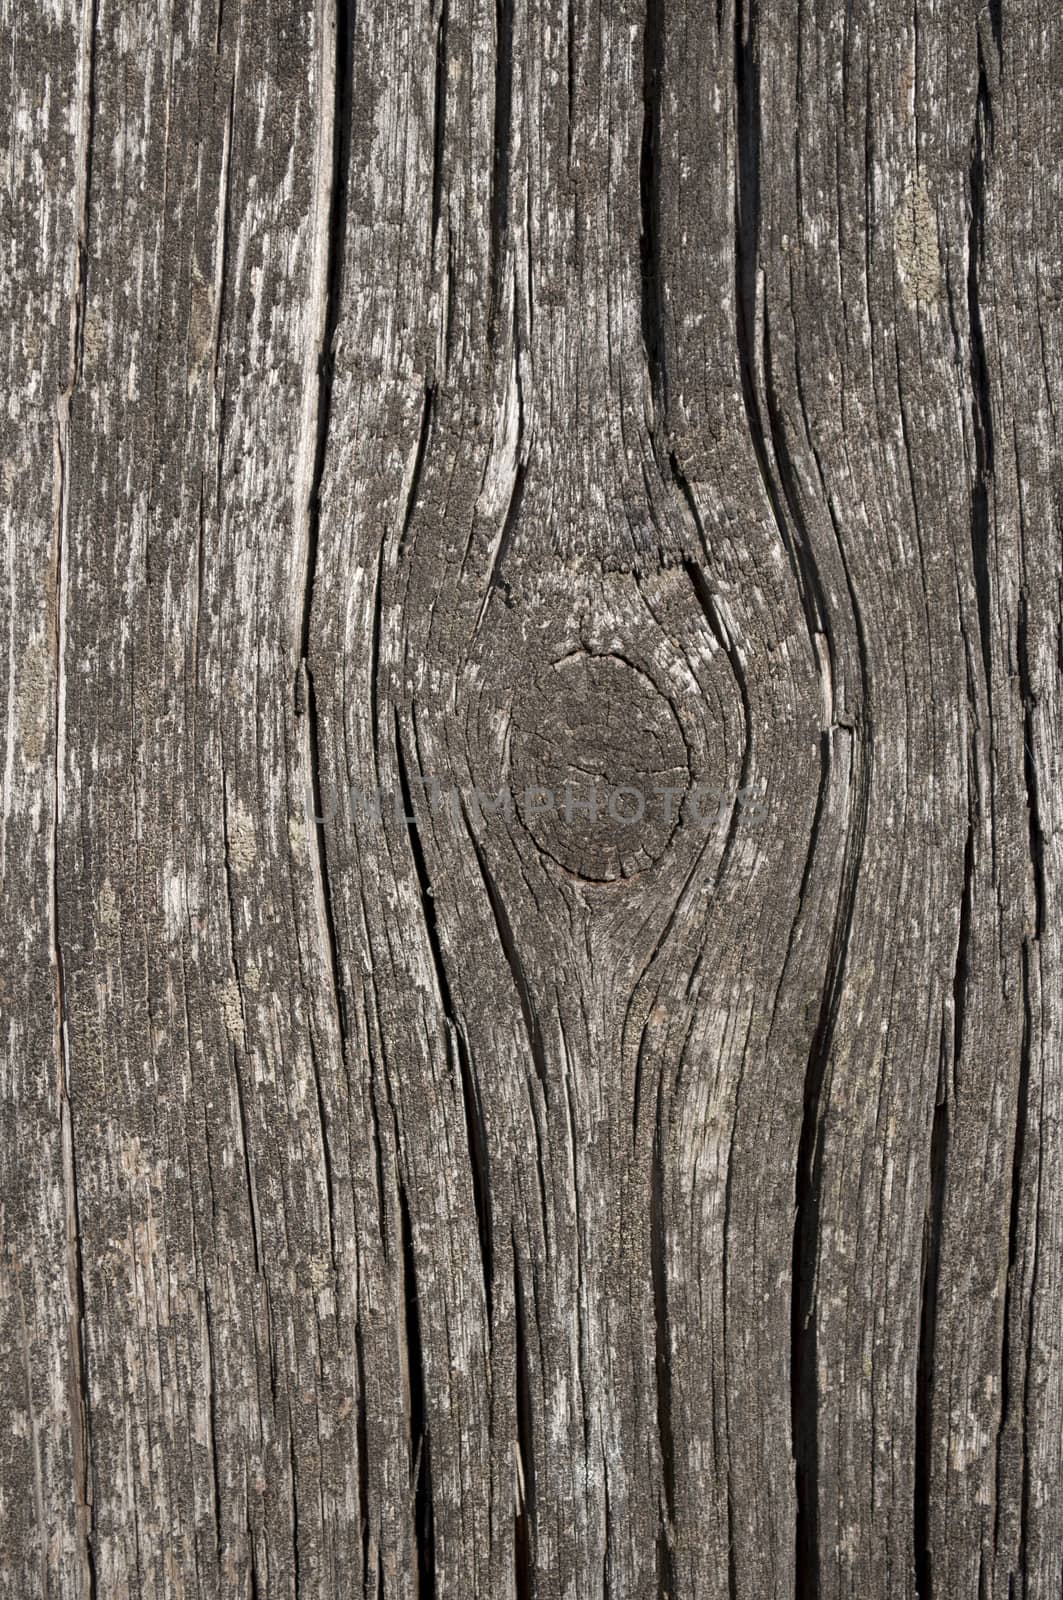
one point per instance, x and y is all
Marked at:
(531, 840)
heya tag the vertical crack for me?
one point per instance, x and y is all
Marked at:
(650, 203)
(475, 1130)
(666, 1578)
(808, 1187)
(331, 245)
(500, 166)
(79, 1392)
(981, 403)
(747, 244)
(212, 1414)
(524, 1508)
(806, 573)
(705, 600)
(423, 436)
(230, 902)
(439, 128)
(1030, 776)
(570, 44)
(306, 704)
(420, 1443)
(747, 208)
(924, 1394)
(297, 1554)
(513, 961)
(496, 576)
(1035, 1272)
(362, 1433)
(326, 1154)
(1018, 1161)
(961, 979)
(333, 181)
(223, 229)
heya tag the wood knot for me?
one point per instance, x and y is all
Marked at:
(599, 767)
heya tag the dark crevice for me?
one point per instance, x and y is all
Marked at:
(607, 1531)
(705, 601)
(981, 403)
(271, 1352)
(732, 1559)
(651, 249)
(516, 966)
(218, 391)
(371, 1010)
(230, 902)
(362, 1433)
(579, 1247)
(427, 414)
(81, 290)
(961, 973)
(1033, 804)
(337, 232)
(706, 604)
(451, 300)
(529, 256)
(419, 1441)
(500, 167)
(1035, 1271)
(79, 1372)
(496, 577)
(808, 1187)
(249, 1178)
(809, 583)
(636, 1092)
(81, 1418)
(439, 130)
(650, 204)
(1014, 1219)
(817, 817)
(201, 573)
(305, 699)
(475, 1129)
(78, 1351)
(308, 702)
(374, 660)
(932, 1228)
(747, 239)
(226, 231)
(570, 44)
(326, 1154)
(732, 1563)
(212, 1417)
(524, 1513)
(666, 1577)
(297, 1554)
(747, 206)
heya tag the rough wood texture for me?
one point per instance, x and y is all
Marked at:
(419, 1178)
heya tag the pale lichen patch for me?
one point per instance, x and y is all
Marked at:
(107, 908)
(232, 1009)
(916, 242)
(241, 835)
(35, 693)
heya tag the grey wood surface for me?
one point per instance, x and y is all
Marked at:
(530, 966)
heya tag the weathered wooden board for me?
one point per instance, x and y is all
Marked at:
(530, 960)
